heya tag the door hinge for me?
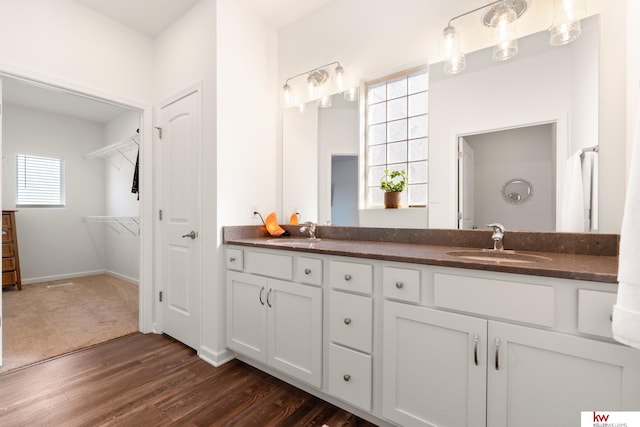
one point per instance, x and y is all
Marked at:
(459, 155)
(160, 296)
(160, 214)
(159, 132)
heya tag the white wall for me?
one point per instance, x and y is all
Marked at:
(247, 155)
(337, 135)
(122, 247)
(56, 242)
(375, 37)
(69, 42)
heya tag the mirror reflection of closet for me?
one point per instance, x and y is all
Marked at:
(96, 230)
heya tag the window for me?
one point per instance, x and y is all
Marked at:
(39, 181)
(397, 134)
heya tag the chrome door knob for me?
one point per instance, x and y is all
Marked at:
(193, 234)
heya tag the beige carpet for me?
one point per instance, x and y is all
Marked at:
(53, 318)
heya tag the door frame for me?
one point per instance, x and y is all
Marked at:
(146, 321)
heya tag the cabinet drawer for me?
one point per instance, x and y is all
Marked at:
(594, 312)
(7, 250)
(350, 376)
(523, 302)
(9, 278)
(234, 259)
(401, 284)
(8, 264)
(351, 320)
(268, 264)
(6, 234)
(351, 277)
(6, 220)
(309, 270)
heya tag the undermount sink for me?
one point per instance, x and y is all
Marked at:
(493, 255)
(293, 242)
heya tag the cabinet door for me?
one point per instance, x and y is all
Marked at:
(435, 368)
(247, 314)
(548, 378)
(295, 330)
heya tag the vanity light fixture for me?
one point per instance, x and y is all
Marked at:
(500, 18)
(565, 26)
(315, 80)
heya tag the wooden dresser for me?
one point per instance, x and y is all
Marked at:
(10, 258)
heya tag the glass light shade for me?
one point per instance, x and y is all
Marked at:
(450, 47)
(341, 78)
(311, 88)
(504, 32)
(351, 94)
(302, 107)
(505, 50)
(325, 102)
(565, 26)
(287, 95)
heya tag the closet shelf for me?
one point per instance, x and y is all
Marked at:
(129, 223)
(119, 147)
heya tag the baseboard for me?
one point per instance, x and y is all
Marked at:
(123, 277)
(61, 276)
(215, 358)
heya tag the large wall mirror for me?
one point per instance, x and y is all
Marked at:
(522, 119)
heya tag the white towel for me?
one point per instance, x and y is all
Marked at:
(626, 312)
(572, 216)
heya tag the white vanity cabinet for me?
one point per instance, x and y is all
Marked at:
(434, 367)
(452, 369)
(275, 321)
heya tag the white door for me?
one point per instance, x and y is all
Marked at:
(435, 367)
(465, 185)
(540, 378)
(181, 263)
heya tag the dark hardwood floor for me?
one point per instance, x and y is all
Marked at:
(153, 380)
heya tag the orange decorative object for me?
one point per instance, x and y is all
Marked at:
(293, 220)
(272, 225)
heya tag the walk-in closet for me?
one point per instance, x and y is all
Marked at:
(70, 176)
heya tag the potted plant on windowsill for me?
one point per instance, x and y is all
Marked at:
(393, 183)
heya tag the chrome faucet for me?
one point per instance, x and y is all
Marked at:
(497, 236)
(310, 227)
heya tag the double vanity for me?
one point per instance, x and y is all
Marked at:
(432, 327)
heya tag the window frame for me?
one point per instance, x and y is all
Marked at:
(58, 180)
(369, 183)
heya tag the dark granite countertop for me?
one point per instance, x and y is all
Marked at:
(579, 256)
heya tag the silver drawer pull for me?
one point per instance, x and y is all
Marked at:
(347, 321)
(346, 377)
(232, 259)
(269, 298)
(399, 285)
(475, 349)
(347, 277)
(260, 296)
(307, 271)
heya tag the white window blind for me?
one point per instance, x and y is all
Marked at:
(40, 181)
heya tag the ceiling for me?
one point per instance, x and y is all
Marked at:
(150, 17)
